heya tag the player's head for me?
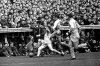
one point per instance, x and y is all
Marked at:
(70, 15)
(58, 16)
(47, 30)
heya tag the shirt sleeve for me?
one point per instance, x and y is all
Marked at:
(78, 26)
(72, 23)
(57, 22)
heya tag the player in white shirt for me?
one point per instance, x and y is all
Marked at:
(57, 32)
(47, 42)
(74, 37)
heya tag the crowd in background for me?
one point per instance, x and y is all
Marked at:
(15, 13)
(33, 13)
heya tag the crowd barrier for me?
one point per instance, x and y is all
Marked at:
(13, 30)
(82, 27)
(10, 30)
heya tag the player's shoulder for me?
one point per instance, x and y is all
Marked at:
(72, 20)
(58, 20)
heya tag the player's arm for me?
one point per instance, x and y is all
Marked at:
(55, 24)
(79, 27)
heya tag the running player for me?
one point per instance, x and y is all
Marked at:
(74, 35)
(57, 32)
(47, 42)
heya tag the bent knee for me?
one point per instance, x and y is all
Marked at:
(75, 47)
(70, 46)
(39, 49)
(51, 49)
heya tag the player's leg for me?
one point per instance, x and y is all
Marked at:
(59, 43)
(72, 49)
(54, 50)
(76, 44)
(40, 49)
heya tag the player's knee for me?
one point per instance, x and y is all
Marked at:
(70, 46)
(76, 47)
(51, 49)
(39, 49)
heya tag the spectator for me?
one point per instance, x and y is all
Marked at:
(14, 49)
(3, 52)
(8, 49)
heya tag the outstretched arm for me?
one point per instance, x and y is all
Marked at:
(56, 23)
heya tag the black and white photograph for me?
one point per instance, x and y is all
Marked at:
(49, 32)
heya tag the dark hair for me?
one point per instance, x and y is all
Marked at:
(70, 15)
(59, 16)
(56, 15)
